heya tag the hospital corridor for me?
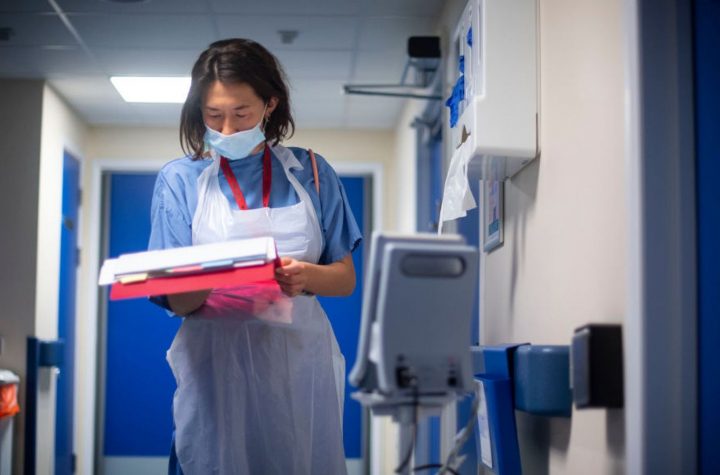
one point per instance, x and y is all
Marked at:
(359, 237)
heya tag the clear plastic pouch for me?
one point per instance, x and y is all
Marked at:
(258, 301)
(457, 197)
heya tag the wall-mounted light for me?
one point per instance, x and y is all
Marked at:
(152, 89)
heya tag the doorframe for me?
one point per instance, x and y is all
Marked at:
(69, 155)
(89, 439)
(660, 334)
(88, 404)
(375, 171)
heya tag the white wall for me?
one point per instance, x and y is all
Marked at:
(404, 165)
(35, 127)
(61, 130)
(563, 263)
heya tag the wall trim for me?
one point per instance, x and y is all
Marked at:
(374, 170)
(661, 314)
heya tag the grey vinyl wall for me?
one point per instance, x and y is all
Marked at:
(20, 137)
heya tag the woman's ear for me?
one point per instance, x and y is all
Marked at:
(272, 104)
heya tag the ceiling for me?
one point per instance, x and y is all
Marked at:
(78, 44)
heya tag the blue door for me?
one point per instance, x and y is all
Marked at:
(344, 315)
(64, 458)
(707, 122)
(138, 390)
(139, 385)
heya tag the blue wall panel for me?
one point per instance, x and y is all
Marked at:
(707, 141)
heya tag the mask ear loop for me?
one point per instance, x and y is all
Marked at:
(266, 118)
(206, 150)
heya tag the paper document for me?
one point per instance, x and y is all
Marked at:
(140, 266)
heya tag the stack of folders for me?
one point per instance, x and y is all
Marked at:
(184, 269)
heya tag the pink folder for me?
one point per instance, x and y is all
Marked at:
(208, 280)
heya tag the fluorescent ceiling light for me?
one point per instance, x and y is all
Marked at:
(152, 89)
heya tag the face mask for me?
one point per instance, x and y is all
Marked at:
(238, 145)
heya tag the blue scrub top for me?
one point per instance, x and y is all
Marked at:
(175, 200)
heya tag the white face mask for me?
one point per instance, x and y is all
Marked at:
(238, 145)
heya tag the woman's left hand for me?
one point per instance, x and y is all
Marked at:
(292, 276)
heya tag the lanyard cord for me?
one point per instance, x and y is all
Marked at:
(235, 187)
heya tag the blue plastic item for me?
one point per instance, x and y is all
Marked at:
(542, 380)
(504, 456)
(497, 383)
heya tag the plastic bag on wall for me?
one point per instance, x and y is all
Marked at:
(457, 197)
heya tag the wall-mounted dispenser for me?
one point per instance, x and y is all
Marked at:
(493, 106)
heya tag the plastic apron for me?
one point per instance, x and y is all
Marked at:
(259, 388)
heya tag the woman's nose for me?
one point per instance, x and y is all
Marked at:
(227, 127)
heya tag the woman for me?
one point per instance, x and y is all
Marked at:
(259, 373)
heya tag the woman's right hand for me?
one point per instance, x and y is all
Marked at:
(187, 302)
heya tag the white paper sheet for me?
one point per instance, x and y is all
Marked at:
(253, 249)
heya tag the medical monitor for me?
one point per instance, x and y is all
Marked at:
(416, 316)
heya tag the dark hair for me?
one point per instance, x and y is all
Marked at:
(231, 61)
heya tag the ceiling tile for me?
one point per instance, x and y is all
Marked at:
(34, 29)
(316, 90)
(385, 67)
(392, 33)
(42, 62)
(145, 31)
(407, 8)
(147, 62)
(164, 114)
(65, 63)
(84, 90)
(368, 111)
(339, 42)
(315, 65)
(35, 6)
(105, 115)
(328, 115)
(288, 7)
(15, 62)
(326, 33)
(148, 7)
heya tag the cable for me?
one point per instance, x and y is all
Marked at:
(411, 448)
(435, 465)
(463, 435)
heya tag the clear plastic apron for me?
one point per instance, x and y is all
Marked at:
(260, 378)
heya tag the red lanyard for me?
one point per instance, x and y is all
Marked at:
(235, 187)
